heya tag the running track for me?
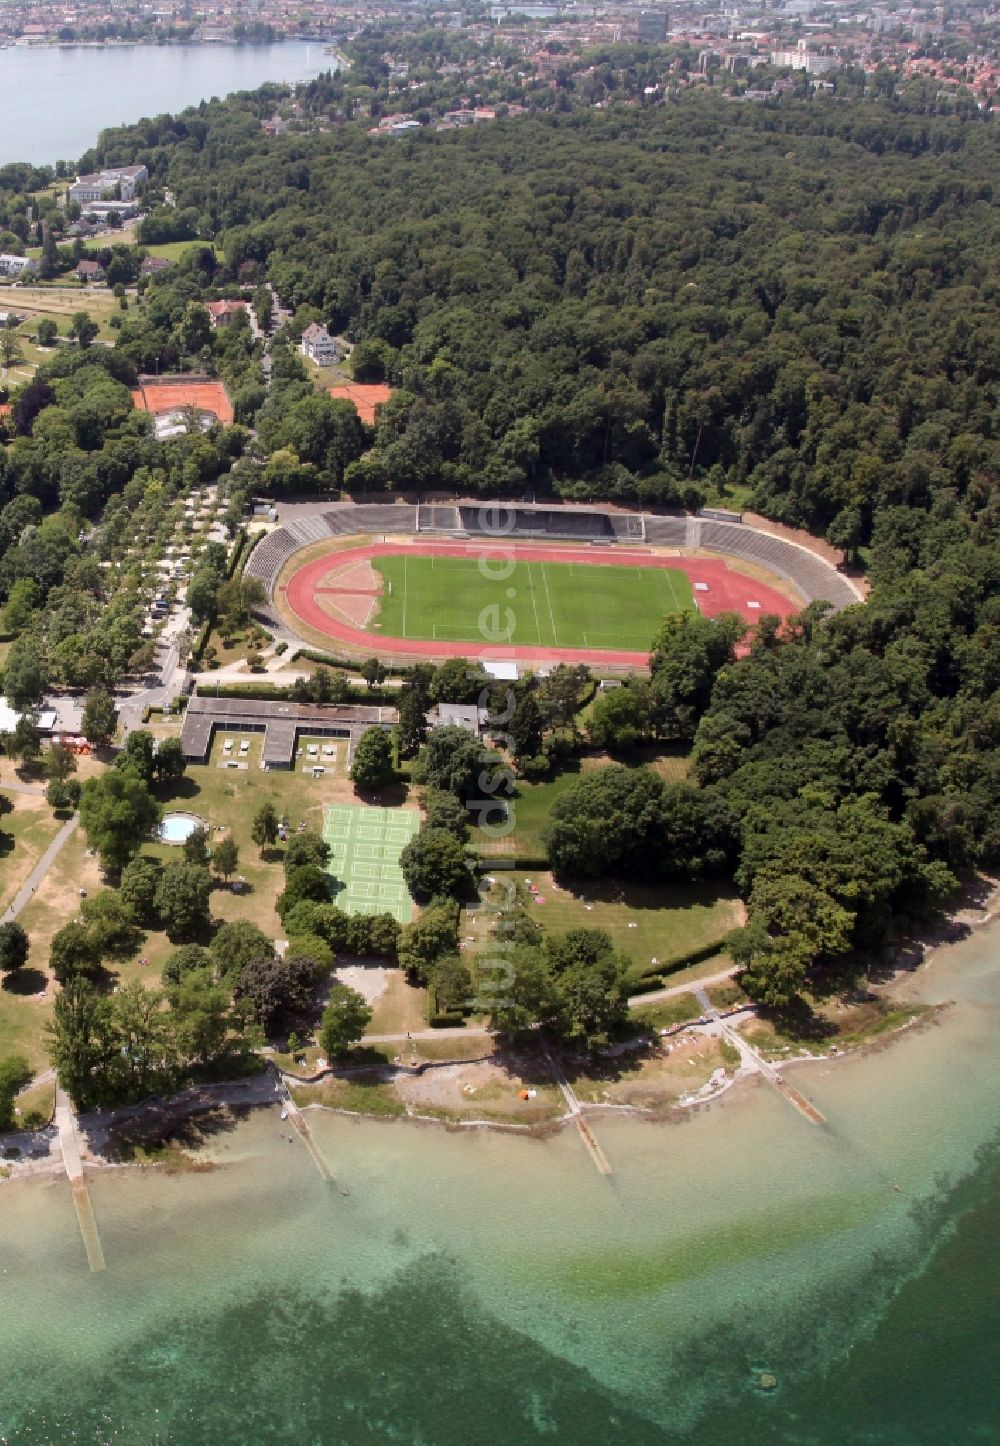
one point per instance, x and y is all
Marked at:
(728, 591)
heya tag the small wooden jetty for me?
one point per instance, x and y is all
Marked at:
(70, 1146)
(576, 1110)
(298, 1119)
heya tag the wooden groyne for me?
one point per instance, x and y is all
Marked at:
(576, 1111)
(69, 1144)
(302, 1129)
(773, 1076)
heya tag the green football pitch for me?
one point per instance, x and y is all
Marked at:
(552, 604)
(365, 845)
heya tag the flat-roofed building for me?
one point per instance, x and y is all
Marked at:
(281, 723)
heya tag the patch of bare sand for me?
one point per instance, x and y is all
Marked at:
(654, 1079)
(370, 980)
(485, 1089)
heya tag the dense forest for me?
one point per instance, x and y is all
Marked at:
(793, 308)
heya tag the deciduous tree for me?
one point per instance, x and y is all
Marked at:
(345, 1019)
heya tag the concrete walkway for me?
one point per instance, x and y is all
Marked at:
(657, 996)
(753, 1062)
(12, 785)
(38, 873)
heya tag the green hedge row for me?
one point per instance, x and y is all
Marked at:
(201, 642)
(268, 692)
(645, 983)
(244, 544)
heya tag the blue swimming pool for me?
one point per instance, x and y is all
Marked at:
(176, 827)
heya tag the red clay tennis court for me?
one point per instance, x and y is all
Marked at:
(366, 396)
(166, 394)
(717, 588)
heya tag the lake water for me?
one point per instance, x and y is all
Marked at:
(483, 1288)
(54, 101)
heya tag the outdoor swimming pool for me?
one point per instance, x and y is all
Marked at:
(176, 827)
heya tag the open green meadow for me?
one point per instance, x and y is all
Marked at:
(656, 925)
(551, 604)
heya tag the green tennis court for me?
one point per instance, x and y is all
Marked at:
(365, 845)
(551, 604)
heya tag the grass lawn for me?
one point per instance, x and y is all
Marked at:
(532, 804)
(368, 1097)
(171, 250)
(25, 834)
(35, 1106)
(222, 797)
(652, 1079)
(402, 1007)
(61, 303)
(647, 922)
(818, 1024)
(23, 1015)
(551, 604)
(231, 797)
(669, 1013)
(236, 650)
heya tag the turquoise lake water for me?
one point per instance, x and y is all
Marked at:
(478, 1287)
(55, 99)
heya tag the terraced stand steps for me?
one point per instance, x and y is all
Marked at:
(815, 579)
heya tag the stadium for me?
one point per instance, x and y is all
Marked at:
(532, 584)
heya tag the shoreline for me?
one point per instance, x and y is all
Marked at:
(267, 1088)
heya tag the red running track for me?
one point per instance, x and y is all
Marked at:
(728, 591)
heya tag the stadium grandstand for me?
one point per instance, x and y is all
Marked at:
(501, 519)
(305, 523)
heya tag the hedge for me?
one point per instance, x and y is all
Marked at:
(645, 983)
(201, 642)
(269, 692)
(245, 542)
(338, 660)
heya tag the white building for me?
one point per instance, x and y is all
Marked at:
(124, 179)
(15, 265)
(319, 346)
(802, 60)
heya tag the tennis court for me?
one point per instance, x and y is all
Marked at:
(365, 845)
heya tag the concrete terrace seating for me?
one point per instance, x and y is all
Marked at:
(272, 552)
(536, 522)
(433, 517)
(351, 517)
(270, 555)
(667, 531)
(815, 579)
(627, 526)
